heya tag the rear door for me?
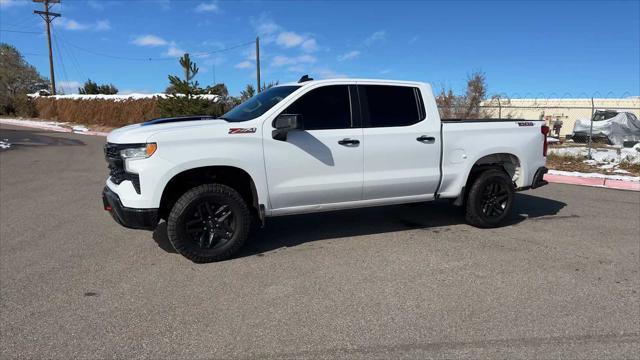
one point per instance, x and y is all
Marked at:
(402, 146)
(321, 164)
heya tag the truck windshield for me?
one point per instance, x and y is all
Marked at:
(259, 104)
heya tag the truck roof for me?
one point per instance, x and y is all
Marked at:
(356, 80)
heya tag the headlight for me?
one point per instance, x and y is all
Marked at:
(141, 152)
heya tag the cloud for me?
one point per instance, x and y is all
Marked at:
(281, 60)
(68, 87)
(96, 5)
(102, 25)
(149, 40)
(296, 69)
(349, 56)
(265, 26)
(326, 73)
(375, 37)
(10, 3)
(309, 45)
(174, 51)
(164, 4)
(244, 65)
(414, 39)
(73, 25)
(269, 32)
(289, 39)
(208, 7)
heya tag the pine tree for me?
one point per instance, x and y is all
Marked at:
(247, 93)
(92, 88)
(184, 98)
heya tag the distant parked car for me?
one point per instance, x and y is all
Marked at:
(609, 127)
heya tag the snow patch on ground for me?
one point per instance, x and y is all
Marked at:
(117, 97)
(602, 156)
(79, 128)
(594, 175)
(49, 125)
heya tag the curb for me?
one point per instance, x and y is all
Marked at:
(54, 128)
(593, 181)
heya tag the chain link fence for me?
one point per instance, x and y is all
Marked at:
(559, 114)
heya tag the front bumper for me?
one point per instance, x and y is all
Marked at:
(133, 218)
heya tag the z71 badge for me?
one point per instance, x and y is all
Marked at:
(242, 130)
(525, 123)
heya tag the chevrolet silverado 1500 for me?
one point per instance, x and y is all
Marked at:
(314, 146)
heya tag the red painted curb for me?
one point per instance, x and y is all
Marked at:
(595, 182)
(622, 185)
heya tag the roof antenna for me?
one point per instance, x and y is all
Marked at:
(304, 78)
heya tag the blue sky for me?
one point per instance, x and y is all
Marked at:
(526, 49)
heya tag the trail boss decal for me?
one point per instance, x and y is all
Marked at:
(525, 123)
(242, 130)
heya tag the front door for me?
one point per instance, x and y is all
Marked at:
(321, 164)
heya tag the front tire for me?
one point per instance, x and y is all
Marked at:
(490, 199)
(209, 223)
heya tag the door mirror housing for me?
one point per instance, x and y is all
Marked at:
(285, 123)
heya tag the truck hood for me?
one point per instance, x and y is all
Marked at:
(140, 133)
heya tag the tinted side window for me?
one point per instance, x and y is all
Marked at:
(388, 106)
(327, 107)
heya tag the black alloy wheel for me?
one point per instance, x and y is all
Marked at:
(211, 224)
(494, 199)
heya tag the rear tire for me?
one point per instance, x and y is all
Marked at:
(490, 199)
(209, 223)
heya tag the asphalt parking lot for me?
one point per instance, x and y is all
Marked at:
(412, 281)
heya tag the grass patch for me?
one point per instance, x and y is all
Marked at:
(632, 168)
(576, 163)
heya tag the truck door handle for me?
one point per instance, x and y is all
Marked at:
(425, 138)
(347, 141)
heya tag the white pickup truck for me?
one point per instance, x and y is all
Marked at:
(314, 146)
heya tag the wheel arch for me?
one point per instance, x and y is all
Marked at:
(504, 161)
(232, 176)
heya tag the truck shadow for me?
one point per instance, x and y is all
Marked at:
(290, 231)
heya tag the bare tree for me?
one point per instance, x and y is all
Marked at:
(476, 93)
(465, 106)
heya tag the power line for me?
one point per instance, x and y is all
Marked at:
(225, 49)
(59, 53)
(74, 60)
(21, 32)
(113, 56)
(151, 58)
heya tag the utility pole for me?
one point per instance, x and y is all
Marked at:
(48, 17)
(258, 62)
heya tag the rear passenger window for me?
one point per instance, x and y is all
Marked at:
(327, 107)
(387, 106)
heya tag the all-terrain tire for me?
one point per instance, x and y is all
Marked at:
(487, 210)
(179, 215)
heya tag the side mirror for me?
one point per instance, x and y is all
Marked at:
(285, 123)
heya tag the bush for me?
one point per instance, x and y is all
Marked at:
(101, 112)
(24, 106)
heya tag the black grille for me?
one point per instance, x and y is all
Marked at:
(116, 165)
